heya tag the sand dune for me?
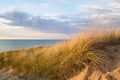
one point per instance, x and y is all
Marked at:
(111, 71)
(88, 57)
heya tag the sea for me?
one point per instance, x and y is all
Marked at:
(7, 45)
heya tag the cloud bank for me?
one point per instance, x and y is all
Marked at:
(63, 25)
(38, 23)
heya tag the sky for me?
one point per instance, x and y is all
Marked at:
(55, 19)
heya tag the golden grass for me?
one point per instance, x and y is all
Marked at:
(61, 61)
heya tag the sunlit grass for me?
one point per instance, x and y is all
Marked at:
(61, 60)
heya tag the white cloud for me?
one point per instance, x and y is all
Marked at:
(92, 9)
(2, 20)
(19, 32)
(115, 5)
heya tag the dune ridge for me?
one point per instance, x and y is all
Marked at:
(91, 56)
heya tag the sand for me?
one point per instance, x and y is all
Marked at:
(109, 72)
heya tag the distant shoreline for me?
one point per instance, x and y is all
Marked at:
(7, 45)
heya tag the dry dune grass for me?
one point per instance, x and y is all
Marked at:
(65, 60)
(108, 68)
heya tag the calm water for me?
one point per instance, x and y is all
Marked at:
(6, 45)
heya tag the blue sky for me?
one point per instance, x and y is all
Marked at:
(53, 19)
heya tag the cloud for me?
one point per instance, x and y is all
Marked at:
(19, 32)
(102, 14)
(65, 24)
(2, 20)
(115, 4)
(38, 23)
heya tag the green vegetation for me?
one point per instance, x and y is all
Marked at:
(60, 61)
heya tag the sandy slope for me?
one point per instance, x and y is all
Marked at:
(90, 57)
(109, 72)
